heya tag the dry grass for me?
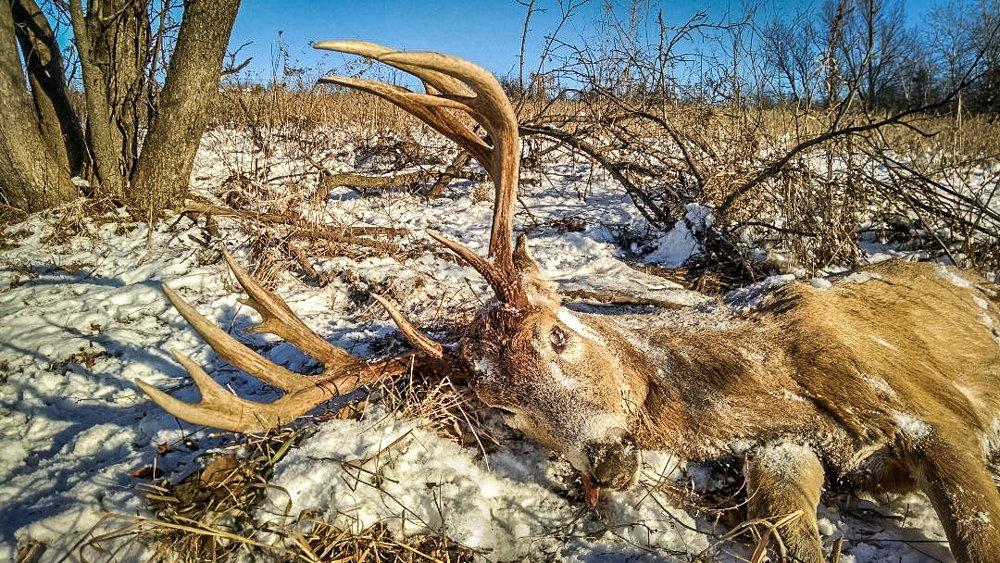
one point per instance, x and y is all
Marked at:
(209, 515)
(311, 109)
(974, 135)
(811, 212)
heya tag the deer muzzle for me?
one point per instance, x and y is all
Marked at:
(614, 461)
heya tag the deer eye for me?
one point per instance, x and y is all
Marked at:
(557, 337)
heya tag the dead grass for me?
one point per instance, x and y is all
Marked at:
(811, 212)
(209, 515)
(311, 109)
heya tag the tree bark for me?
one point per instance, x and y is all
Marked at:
(30, 177)
(58, 121)
(122, 49)
(164, 168)
(104, 138)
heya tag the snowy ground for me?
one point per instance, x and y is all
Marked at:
(81, 317)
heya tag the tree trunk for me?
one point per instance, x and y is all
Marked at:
(104, 138)
(58, 121)
(121, 48)
(30, 177)
(162, 175)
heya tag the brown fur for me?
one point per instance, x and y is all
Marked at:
(891, 382)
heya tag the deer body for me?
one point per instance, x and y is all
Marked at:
(891, 383)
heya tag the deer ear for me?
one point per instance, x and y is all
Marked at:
(540, 289)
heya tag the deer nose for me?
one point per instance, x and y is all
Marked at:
(614, 462)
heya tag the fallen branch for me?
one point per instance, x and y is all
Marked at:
(328, 182)
(453, 171)
(200, 208)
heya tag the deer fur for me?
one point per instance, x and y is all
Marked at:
(889, 379)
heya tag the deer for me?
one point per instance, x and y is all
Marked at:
(889, 381)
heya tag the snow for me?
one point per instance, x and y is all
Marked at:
(786, 458)
(820, 283)
(952, 277)
(82, 317)
(880, 386)
(381, 469)
(751, 296)
(911, 426)
(862, 277)
(675, 247)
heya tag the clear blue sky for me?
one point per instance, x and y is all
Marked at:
(485, 31)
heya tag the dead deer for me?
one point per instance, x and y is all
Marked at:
(891, 384)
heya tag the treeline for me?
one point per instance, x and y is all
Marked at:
(865, 51)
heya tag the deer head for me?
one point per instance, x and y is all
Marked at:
(553, 377)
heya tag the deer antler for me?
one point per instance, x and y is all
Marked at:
(456, 84)
(451, 84)
(342, 372)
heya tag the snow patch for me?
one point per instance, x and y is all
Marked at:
(357, 473)
(675, 247)
(952, 277)
(909, 425)
(752, 296)
(986, 319)
(880, 386)
(785, 458)
(862, 277)
(820, 283)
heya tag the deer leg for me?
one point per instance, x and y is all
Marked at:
(953, 474)
(782, 479)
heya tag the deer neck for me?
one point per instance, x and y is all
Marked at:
(699, 389)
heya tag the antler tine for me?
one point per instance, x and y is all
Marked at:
(449, 81)
(492, 109)
(440, 81)
(506, 286)
(281, 321)
(417, 339)
(427, 108)
(218, 408)
(234, 352)
(343, 372)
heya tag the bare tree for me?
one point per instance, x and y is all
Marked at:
(192, 81)
(121, 46)
(30, 174)
(57, 118)
(854, 73)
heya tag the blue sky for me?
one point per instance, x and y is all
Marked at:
(485, 31)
